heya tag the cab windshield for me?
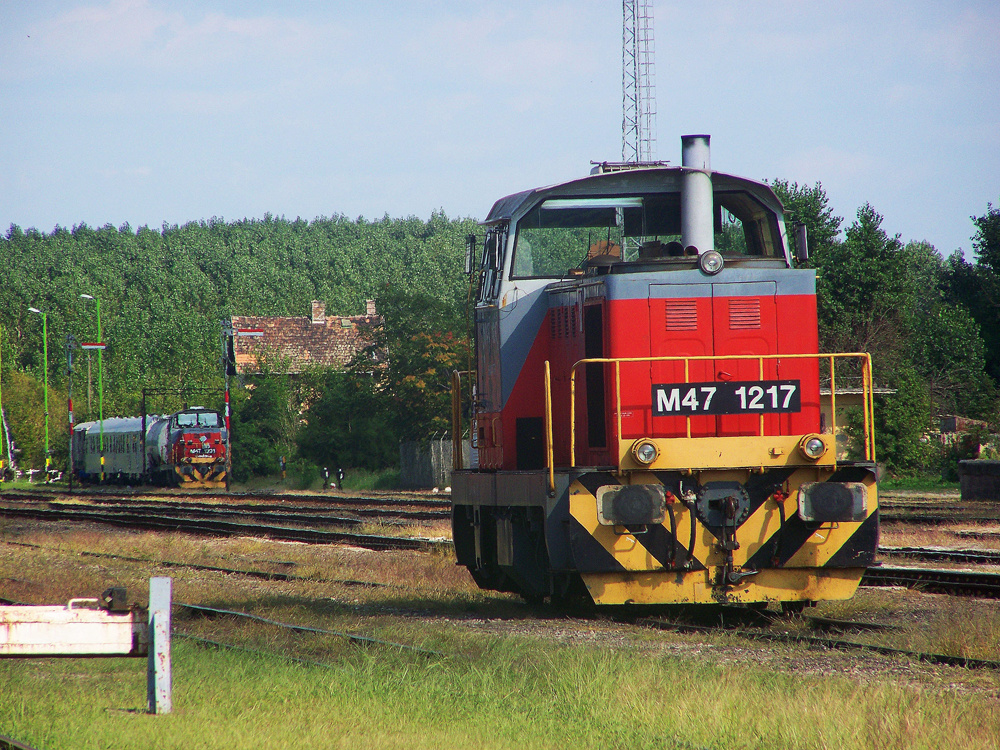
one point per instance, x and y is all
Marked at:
(560, 234)
(197, 419)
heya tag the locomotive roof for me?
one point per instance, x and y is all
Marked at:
(658, 179)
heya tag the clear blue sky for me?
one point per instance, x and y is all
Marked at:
(152, 111)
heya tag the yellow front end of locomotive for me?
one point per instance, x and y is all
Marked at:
(733, 519)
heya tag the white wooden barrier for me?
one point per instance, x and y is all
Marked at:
(74, 630)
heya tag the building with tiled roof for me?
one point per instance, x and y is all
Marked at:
(296, 344)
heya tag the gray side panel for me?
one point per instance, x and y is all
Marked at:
(470, 487)
(520, 324)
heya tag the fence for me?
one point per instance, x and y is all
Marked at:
(428, 463)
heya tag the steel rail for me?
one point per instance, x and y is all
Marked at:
(143, 511)
(282, 508)
(441, 501)
(363, 640)
(981, 556)
(954, 582)
(936, 519)
(266, 575)
(227, 528)
(9, 743)
(264, 513)
(832, 643)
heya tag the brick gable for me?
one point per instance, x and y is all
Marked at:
(300, 343)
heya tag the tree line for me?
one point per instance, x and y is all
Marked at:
(931, 323)
(163, 294)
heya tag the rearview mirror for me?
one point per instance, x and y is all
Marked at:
(801, 243)
(470, 253)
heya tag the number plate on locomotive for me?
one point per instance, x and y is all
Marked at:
(734, 397)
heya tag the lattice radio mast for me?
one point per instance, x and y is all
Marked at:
(638, 88)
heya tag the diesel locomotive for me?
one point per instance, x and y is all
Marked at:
(185, 449)
(653, 419)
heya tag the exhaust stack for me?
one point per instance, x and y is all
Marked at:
(697, 207)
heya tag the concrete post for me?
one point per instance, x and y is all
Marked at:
(158, 680)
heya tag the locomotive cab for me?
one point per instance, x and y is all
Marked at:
(193, 443)
(647, 400)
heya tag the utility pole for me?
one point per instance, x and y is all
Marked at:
(638, 88)
(99, 345)
(45, 383)
(3, 435)
(70, 343)
(228, 339)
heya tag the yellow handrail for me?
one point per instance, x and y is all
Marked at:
(549, 457)
(867, 395)
(456, 418)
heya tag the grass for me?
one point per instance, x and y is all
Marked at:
(927, 483)
(493, 693)
(354, 479)
(512, 676)
(362, 480)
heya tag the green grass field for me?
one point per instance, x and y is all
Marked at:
(500, 692)
(506, 675)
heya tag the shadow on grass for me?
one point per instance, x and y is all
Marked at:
(501, 608)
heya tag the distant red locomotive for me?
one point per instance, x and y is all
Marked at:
(647, 403)
(186, 449)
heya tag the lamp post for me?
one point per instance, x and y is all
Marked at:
(45, 364)
(70, 343)
(3, 436)
(100, 377)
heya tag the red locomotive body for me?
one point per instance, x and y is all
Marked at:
(647, 408)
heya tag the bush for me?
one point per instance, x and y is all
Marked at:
(302, 474)
(968, 445)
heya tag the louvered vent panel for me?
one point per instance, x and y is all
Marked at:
(682, 315)
(562, 322)
(744, 314)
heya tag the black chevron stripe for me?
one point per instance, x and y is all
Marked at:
(592, 481)
(859, 550)
(782, 545)
(589, 555)
(760, 487)
(662, 546)
(852, 473)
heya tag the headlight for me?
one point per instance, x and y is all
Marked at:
(645, 451)
(812, 447)
(710, 262)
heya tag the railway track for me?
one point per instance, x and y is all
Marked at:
(937, 581)
(387, 497)
(935, 509)
(771, 636)
(300, 522)
(217, 527)
(745, 622)
(289, 513)
(375, 499)
(941, 554)
(936, 519)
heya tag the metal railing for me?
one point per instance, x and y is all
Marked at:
(456, 417)
(866, 372)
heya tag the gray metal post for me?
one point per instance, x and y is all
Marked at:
(158, 669)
